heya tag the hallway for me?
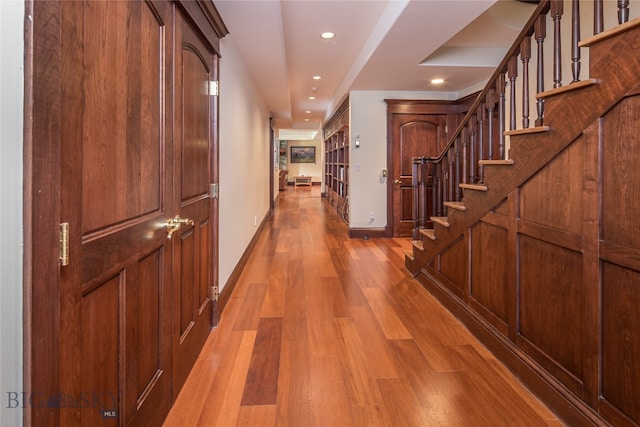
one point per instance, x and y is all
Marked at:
(323, 330)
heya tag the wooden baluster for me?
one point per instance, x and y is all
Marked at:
(434, 188)
(525, 56)
(450, 175)
(512, 69)
(465, 155)
(439, 189)
(541, 34)
(623, 11)
(472, 150)
(458, 161)
(481, 117)
(598, 17)
(415, 179)
(557, 8)
(421, 190)
(501, 115)
(575, 39)
(491, 105)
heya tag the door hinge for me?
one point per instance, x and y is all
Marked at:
(213, 88)
(214, 294)
(214, 190)
(64, 244)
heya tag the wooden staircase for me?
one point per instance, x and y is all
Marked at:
(568, 111)
(555, 299)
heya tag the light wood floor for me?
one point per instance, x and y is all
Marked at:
(323, 330)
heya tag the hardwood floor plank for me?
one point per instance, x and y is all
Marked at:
(249, 315)
(252, 416)
(361, 342)
(261, 385)
(389, 322)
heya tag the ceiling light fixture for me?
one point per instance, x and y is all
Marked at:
(317, 77)
(437, 81)
(327, 35)
(308, 111)
(312, 97)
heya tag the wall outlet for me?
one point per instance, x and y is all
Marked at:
(372, 216)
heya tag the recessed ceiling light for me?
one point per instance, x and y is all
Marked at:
(312, 97)
(308, 111)
(317, 77)
(327, 35)
(306, 120)
(437, 81)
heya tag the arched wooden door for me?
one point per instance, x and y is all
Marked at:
(413, 136)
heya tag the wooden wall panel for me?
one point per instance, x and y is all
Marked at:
(621, 175)
(454, 266)
(621, 339)
(489, 270)
(551, 306)
(553, 197)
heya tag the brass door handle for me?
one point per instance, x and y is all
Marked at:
(397, 181)
(174, 223)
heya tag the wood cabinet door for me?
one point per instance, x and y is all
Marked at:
(413, 135)
(192, 246)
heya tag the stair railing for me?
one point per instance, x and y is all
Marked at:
(480, 137)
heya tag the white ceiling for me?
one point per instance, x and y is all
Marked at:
(395, 45)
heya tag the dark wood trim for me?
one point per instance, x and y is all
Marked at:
(421, 106)
(232, 281)
(206, 19)
(551, 235)
(369, 233)
(42, 148)
(556, 396)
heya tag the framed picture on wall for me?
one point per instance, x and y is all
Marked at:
(303, 154)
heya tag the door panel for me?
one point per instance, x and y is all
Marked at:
(192, 175)
(413, 136)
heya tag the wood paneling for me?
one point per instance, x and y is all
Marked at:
(551, 306)
(621, 339)
(621, 176)
(489, 285)
(553, 196)
(454, 266)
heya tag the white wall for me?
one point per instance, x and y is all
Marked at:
(368, 120)
(314, 170)
(244, 159)
(11, 243)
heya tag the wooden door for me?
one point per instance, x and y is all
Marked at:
(413, 135)
(120, 139)
(192, 247)
(116, 157)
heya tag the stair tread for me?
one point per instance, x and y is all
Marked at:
(428, 233)
(566, 88)
(536, 129)
(478, 187)
(442, 220)
(609, 33)
(409, 254)
(497, 162)
(456, 205)
(418, 244)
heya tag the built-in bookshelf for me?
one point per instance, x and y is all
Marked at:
(335, 133)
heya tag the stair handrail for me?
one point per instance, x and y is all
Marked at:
(541, 10)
